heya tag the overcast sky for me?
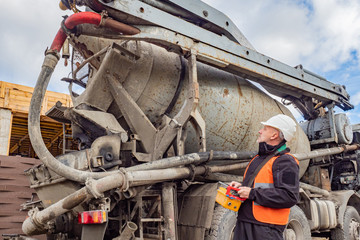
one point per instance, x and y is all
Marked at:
(322, 35)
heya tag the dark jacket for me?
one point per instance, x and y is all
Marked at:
(285, 193)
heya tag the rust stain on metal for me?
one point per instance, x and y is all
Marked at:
(120, 27)
(226, 92)
(239, 90)
(82, 48)
(235, 125)
(222, 126)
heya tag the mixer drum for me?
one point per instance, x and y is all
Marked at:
(231, 106)
(233, 109)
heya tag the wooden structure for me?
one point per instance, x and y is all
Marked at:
(14, 185)
(16, 98)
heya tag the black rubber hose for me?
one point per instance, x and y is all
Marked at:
(37, 142)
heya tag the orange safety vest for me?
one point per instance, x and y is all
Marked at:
(264, 179)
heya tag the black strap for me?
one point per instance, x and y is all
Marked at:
(257, 170)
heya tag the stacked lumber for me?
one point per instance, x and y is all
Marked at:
(17, 98)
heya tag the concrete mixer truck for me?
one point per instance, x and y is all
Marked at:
(172, 98)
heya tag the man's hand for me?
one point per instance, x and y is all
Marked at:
(244, 192)
(235, 184)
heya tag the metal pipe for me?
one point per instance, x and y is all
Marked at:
(94, 31)
(128, 232)
(230, 167)
(120, 27)
(133, 191)
(35, 224)
(314, 189)
(299, 156)
(197, 158)
(193, 158)
(169, 205)
(95, 188)
(138, 178)
(326, 152)
(219, 177)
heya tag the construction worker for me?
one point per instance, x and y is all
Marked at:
(275, 189)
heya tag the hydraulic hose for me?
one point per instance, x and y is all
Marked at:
(90, 18)
(50, 61)
(34, 126)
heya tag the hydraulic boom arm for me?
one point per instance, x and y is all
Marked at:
(184, 25)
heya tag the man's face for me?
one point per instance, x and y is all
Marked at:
(267, 134)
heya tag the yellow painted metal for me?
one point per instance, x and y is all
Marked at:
(226, 202)
(62, 6)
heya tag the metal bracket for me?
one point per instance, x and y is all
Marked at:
(32, 214)
(91, 189)
(134, 116)
(199, 125)
(156, 141)
(102, 204)
(189, 111)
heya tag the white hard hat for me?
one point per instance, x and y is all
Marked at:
(283, 123)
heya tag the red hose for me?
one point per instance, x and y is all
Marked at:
(58, 40)
(91, 18)
(82, 17)
(70, 23)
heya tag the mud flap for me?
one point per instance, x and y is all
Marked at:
(344, 198)
(196, 210)
(93, 231)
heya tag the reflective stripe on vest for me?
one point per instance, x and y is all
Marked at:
(264, 179)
